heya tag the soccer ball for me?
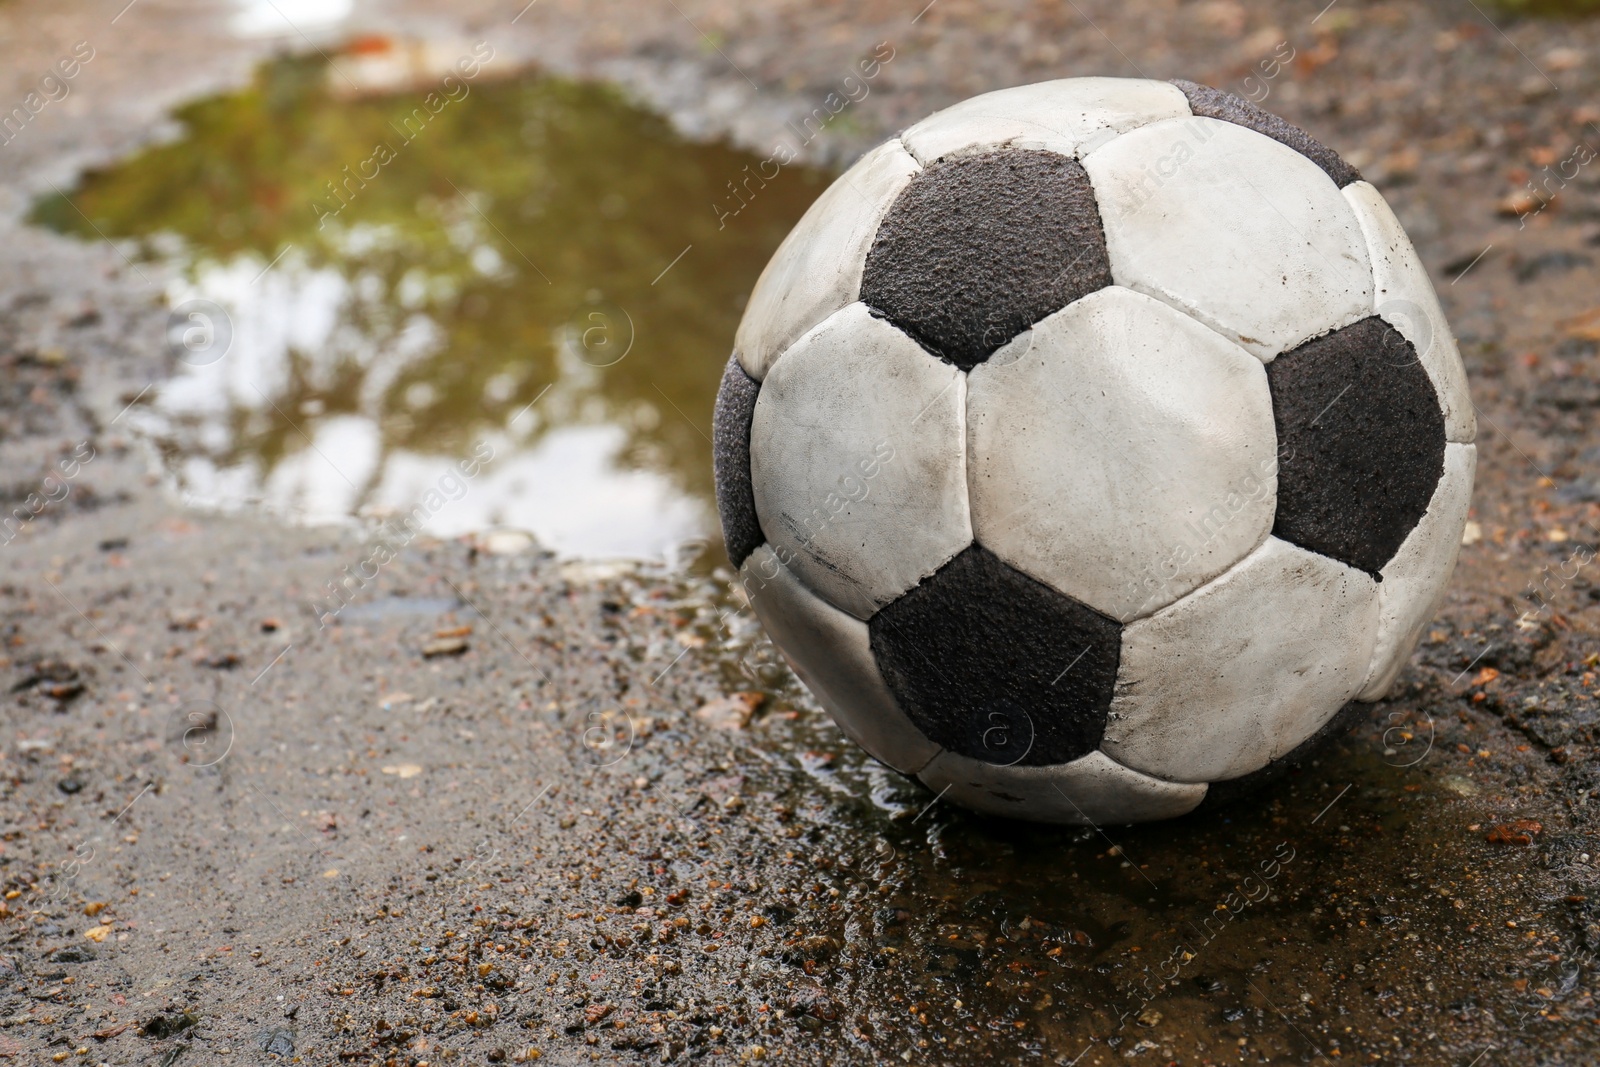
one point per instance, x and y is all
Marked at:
(1089, 447)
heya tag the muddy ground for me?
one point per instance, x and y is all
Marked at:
(232, 835)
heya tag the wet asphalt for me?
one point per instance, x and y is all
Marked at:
(506, 808)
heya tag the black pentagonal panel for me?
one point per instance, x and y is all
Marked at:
(1360, 443)
(1221, 794)
(991, 664)
(730, 459)
(978, 248)
(1215, 104)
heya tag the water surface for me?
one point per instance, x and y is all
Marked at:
(377, 285)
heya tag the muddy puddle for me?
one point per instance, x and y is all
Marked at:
(404, 280)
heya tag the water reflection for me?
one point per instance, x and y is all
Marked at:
(281, 18)
(535, 269)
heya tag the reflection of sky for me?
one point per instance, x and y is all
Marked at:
(565, 483)
(567, 490)
(275, 18)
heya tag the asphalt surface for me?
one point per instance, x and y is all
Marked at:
(507, 808)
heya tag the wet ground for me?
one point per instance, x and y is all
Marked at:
(505, 805)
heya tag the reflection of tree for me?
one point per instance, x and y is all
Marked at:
(599, 195)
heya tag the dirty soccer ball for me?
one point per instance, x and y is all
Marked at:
(1089, 447)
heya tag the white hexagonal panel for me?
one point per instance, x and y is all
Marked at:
(817, 269)
(1122, 453)
(1086, 792)
(1404, 296)
(1244, 669)
(829, 652)
(1245, 234)
(1414, 580)
(1067, 116)
(858, 456)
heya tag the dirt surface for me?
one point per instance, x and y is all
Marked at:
(503, 808)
